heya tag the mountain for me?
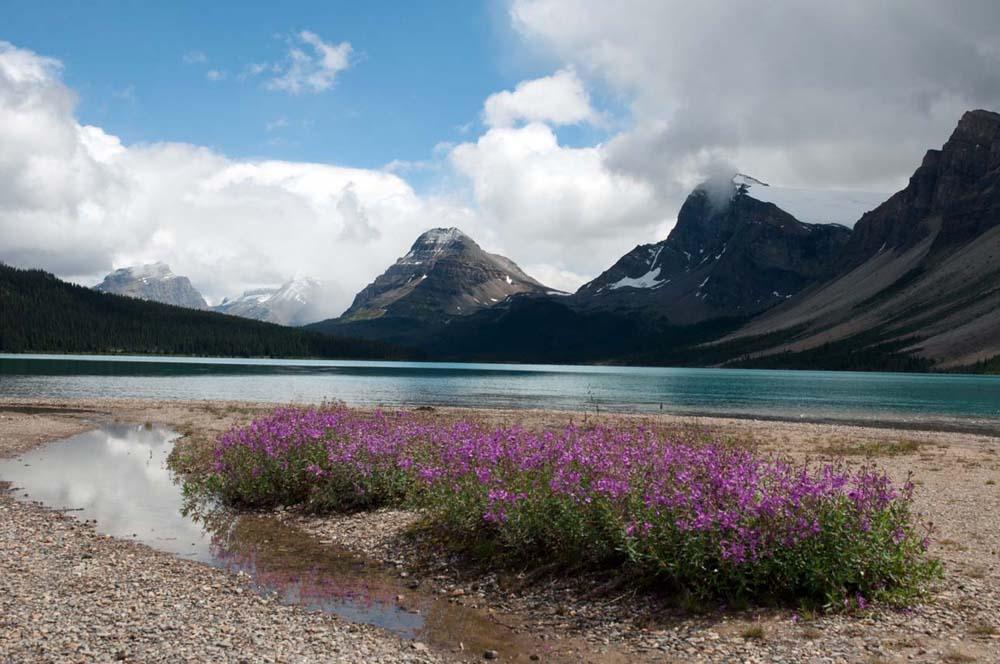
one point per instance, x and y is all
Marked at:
(729, 255)
(444, 277)
(154, 282)
(40, 313)
(444, 273)
(919, 279)
(296, 302)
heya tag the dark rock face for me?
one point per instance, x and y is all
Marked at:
(921, 271)
(154, 282)
(445, 273)
(955, 193)
(723, 258)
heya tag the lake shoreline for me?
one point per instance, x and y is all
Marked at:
(951, 470)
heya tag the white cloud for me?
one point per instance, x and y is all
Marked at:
(554, 206)
(834, 94)
(309, 72)
(559, 99)
(215, 74)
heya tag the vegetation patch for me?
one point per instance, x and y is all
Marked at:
(708, 518)
(873, 449)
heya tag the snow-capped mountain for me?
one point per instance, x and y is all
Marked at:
(444, 273)
(155, 282)
(296, 302)
(727, 257)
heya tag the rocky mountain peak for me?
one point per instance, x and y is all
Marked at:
(953, 196)
(978, 125)
(722, 258)
(155, 282)
(444, 272)
(436, 243)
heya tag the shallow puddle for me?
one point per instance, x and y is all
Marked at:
(117, 475)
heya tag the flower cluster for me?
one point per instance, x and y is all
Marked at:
(713, 518)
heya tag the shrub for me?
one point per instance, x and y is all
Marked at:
(712, 519)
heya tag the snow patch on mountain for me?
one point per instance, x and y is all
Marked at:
(815, 206)
(648, 280)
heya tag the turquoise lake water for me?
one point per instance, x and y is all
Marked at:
(947, 401)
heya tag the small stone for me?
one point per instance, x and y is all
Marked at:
(491, 654)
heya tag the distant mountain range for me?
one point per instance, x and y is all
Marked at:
(40, 313)
(751, 275)
(295, 302)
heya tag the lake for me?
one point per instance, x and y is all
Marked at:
(958, 402)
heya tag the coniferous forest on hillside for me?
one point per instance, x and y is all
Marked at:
(40, 313)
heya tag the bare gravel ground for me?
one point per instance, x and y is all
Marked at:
(68, 594)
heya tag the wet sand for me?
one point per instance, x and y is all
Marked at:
(69, 594)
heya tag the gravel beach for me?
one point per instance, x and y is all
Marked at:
(68, 593)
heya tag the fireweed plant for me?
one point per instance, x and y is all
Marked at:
(705, 517)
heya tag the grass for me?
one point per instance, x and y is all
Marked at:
(982, 629)
(754, 633)
(977, 572)
(953, 544)
(957, 657)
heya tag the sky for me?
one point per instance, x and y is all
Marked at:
(248, 143)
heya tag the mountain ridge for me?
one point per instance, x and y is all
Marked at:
(154, 282)
(921, 270)
(445, 272)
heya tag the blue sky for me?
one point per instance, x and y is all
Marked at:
(420, 72)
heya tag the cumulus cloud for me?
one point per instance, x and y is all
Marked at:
(559, 99)
(818, 94)
(561, 205)
(309, 72)
(76, 201)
